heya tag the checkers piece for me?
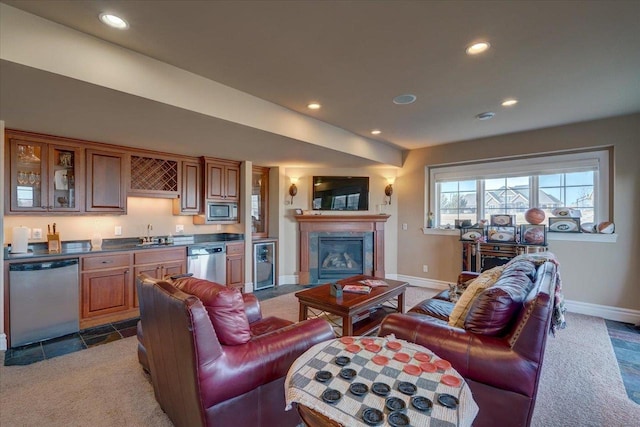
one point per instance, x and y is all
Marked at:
(342, 360)
(402, 357)
(353, 348)
(372, 417)
(381, 389)
(407, 388)
(367, 341)
(422, 357)
(412, 369)
(443, 364)
(394, 345)
(380, 360)
(373, 348)
(398, 419)
(347, 340)
(448, 401)
(348, 374)
(422, 403)
(451, 380)
(428, 367)
(331, 395)
(358, 389)
(395, 404)
(323, 376)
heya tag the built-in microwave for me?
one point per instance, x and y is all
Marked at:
(222, 211)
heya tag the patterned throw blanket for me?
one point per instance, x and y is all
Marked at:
(557, 320)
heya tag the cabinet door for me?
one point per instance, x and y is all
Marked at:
(235, 271)
(105, 292)
(232, 183)
(215, 181)
(190, 199)
(65, 179)
(27, 176)
(173, 268)
(105, 182)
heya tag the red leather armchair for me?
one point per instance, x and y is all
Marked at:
(502, 370)
(198, 380)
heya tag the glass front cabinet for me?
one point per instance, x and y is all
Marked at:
(43, 177)
(264, 264)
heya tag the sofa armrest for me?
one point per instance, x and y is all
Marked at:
(252, 308)
(265, 358)
(485, 359)
(465, 276)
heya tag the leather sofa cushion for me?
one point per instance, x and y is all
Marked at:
(225, 307)
(267, 325)
(482, 282)
(438, 308)
(496, 307)
(521, 265)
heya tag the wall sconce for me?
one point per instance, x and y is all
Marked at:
(388, 190)
(293, 190)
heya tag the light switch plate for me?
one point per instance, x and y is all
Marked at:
(117, 230)
(179, 228)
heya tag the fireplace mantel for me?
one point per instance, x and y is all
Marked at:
(341, 224)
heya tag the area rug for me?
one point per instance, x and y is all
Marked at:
(625, 339)
(104, 385)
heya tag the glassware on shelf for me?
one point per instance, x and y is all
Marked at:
(32, 178)
(31, 156)
(22, 177)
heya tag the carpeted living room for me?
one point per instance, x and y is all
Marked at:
(319, 213)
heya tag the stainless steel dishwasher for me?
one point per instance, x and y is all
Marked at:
(208, 261)
(44, 300)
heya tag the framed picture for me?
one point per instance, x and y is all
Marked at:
(298, 211)
(471, 234)
(564, 225)
(531, 234)
(503, 220)
(505, 234)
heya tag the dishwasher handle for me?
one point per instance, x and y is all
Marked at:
(43, 265)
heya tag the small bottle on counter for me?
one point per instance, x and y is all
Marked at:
(430, 220)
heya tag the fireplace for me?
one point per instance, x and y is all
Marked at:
(340, 257)
(361, 237)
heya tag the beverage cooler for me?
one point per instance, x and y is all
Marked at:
(264, 264)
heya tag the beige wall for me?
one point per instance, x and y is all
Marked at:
(593, 273)
(377, 182)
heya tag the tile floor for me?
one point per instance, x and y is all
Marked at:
(31, 353)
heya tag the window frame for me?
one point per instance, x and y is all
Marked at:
(596, 160)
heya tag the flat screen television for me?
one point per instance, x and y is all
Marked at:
(341, 193)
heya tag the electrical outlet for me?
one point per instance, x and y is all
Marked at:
(425, 268)
(179, 228)
(405, 226)
(36, 233)
(117, 230)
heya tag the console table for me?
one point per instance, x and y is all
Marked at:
(479, 257)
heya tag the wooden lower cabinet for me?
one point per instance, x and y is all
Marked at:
(235, 265)
(107, 289)
(158, 263)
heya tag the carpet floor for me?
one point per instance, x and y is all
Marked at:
(104, 385)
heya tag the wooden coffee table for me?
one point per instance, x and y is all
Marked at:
(361, 313)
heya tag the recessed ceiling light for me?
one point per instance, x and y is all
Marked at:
(113, 21)
(376, 132)
(314, 106)
(405, 99)
(477, 48)
(487, 115)
(509, 102)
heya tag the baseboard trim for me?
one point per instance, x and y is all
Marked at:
(3, 342)
(618, 314)
(291, 279)
(421, 281)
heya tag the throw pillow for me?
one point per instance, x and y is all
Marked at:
(482, 282)
(225, 307)
(496, 307)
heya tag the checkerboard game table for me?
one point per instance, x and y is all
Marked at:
(361, 313)
(386, 380)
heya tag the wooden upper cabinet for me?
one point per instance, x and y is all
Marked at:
(106, 177)
(154, 176)
(190, 200)
(222, 180)
(42, 174)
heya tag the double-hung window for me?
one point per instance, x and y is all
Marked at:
(477, 191)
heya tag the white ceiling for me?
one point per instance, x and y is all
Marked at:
(566, 61)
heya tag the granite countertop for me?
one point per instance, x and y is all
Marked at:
(83, 247)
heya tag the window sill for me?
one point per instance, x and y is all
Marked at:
(551, 237)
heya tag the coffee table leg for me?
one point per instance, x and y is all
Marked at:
(347, 326)
(304, 312)
(401, 303)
